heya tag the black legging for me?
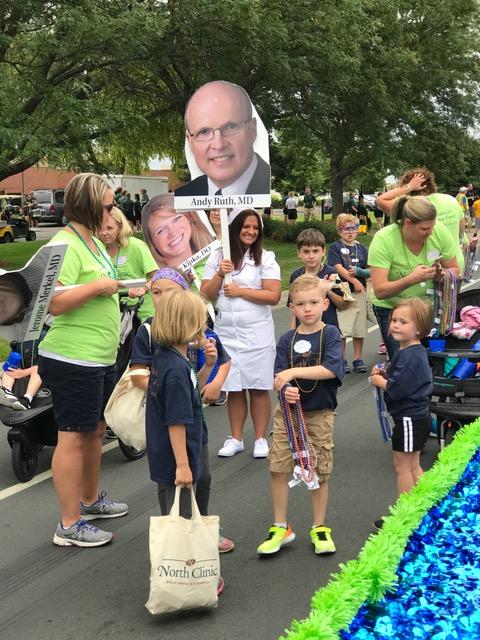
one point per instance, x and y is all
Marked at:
(166, 493)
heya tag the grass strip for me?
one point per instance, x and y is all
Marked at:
(369, 577)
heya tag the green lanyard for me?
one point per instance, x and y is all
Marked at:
(106, 264)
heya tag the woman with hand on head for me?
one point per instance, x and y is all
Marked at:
(419, 181)
(405, 257)
(130, 256)
(245, 326)
(77, 362)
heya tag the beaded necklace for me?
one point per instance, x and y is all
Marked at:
(192, 368)
(445, 303)
(319, 359)
(303, 452)
(385, 420)
(102, 259)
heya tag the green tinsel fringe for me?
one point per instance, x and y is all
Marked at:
(370, 576)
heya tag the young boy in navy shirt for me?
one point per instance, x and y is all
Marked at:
(311, 251)
(350, 259)
(310, 359)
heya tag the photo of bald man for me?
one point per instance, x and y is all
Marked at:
(221, 130)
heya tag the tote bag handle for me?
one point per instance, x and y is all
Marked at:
(175, 511)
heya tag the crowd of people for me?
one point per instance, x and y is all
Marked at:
(329, 303)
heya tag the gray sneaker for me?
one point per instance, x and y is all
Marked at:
(103, 508)
(10, 400)
(81, 534)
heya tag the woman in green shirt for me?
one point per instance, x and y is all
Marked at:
(77, 362)
(131, 258)
(405, 257)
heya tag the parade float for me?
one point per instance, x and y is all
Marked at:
(419, 577)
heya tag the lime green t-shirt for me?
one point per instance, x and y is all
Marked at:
(136, 261)
(449, 213)
(90, 333)
(388, 251)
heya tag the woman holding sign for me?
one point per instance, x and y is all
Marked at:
(245, 326)
(405, 257)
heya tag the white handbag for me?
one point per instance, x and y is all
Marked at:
(185, 563)
(125, 410)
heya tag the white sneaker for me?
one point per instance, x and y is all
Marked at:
(231, 446)
(260, 450)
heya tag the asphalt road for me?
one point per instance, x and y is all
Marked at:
(69, 593)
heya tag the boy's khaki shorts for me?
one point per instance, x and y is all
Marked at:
(320, 429)
(352, 321)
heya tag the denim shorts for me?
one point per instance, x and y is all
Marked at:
(80, 394)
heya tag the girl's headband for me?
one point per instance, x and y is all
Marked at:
(170, 274)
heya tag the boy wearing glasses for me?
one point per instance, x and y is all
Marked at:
(221, 130)
(350, 259)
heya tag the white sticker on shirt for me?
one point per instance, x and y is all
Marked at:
(344, 250)
(302, 346)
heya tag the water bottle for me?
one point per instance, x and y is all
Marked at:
(13, 361)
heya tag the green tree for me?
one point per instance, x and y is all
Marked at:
(64, 76)
(372, 74)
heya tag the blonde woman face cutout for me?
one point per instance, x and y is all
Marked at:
(170, 232)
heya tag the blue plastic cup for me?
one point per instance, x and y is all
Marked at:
(201, 359)
(13, 361)
(464, 369)
(437, 344)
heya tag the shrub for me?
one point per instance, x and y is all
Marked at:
(280, 231)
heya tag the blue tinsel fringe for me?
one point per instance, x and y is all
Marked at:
(438, 592)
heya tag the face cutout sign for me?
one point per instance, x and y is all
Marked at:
(226, 147)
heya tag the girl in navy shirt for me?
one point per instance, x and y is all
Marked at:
(408, 386)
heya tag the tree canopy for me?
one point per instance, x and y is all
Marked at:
(343, 85)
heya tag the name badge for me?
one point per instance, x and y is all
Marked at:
(354, 259)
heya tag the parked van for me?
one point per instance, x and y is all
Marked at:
(50, 205)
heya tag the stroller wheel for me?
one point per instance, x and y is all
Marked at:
(130, 452)
(24, 461)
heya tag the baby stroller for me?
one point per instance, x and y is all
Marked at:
(455, 401)
(32, 429)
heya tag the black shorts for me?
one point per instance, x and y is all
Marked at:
(292, 214)
(410, 434)
(80, 394)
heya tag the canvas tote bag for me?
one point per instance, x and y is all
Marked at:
(185, 564)
(125, 410)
